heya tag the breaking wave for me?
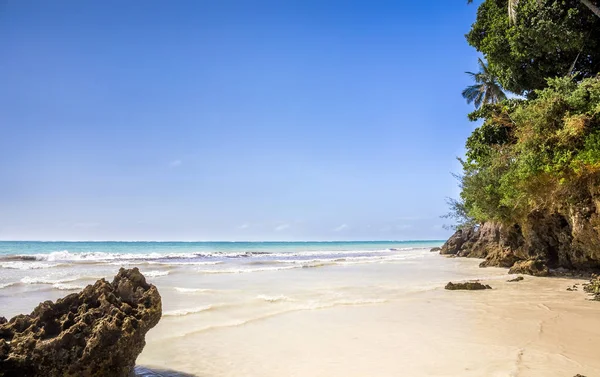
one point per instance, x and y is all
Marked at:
(45, 280)
(22, 265)
(186, 258)
(184, 312)
(156, 273)
(6, 285)
(273, 298)
(67, 287)
(194, 290)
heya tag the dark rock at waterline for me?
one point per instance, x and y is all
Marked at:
(593, 287)
(457, 241)
(567, 239)
(492, 241)
(530, 267)
(469, 286)
(518, 278)
(435, 249)
(97, 332)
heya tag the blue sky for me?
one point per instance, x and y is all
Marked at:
(231, 120)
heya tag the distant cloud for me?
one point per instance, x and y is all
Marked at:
(244, 226)
(403, 226)
(175, 163)
(340, 228)
(281, 227)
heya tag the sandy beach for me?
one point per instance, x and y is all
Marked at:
(530, 328)
(347, 309)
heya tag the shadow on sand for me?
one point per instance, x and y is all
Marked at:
(147, 372)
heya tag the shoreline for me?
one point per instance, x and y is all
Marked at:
(531, 328)
(385, 313)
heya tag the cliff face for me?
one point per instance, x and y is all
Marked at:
(570, 240)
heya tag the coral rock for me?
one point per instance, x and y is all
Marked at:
(97, 332)
(469, 286)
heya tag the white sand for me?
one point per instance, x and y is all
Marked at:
(392, 319)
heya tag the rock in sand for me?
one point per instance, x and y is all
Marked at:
(97, 332)
(469, 286)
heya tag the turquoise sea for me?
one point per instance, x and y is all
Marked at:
(114, 250)
(31, 265)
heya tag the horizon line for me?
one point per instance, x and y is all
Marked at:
(222, 241)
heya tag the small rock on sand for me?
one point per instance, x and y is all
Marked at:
(469, 286)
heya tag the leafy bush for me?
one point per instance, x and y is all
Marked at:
(542, 153)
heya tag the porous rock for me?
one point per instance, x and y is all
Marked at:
(469, 286)
(97, 332)
(530, 267)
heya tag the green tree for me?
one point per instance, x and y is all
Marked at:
(531, 155)
(549, 38)
(512, 8)
(486, 88)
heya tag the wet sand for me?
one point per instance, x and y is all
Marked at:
(529, 328)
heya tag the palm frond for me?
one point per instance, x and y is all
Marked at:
(471, 92)
(486, 89)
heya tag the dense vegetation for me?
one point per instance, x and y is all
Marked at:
(540, 152)
(547, 39)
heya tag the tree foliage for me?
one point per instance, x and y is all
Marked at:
(548, 39)
(538, 154)
(486, 89)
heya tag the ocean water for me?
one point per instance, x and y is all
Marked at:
(34, 271)
(215, 289)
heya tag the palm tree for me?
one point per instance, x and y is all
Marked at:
(486, 89)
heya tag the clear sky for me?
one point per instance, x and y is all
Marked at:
(231, 120)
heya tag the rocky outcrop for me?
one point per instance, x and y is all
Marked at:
(488, 240)
(456, 242)
(515, 280)
(435, 249)
(98, 332)
(469, 286)
(530, 267)
(570, 241)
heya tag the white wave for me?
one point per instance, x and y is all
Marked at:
(6, 285)
(343, 252)
(310, 306)
(193, 290)
(182, 312)
(366, 301)
(155, 273)
(273, 298)
(45, 280)
(169, 263)
(67, 287)
(28, 265)
(247, 270)
(316, 305)
(66, 256)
